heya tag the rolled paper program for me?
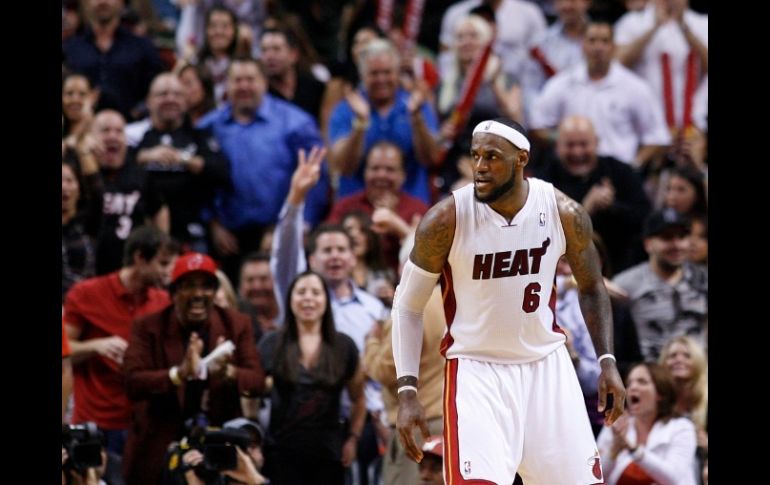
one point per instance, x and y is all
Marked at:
(223, 349)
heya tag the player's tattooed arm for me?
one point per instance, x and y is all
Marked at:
(586, 268)
(434, 235)
(594, 301)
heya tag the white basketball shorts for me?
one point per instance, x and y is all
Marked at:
(530, 418)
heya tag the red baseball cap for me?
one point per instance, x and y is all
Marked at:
(434, 446)
(192, 262)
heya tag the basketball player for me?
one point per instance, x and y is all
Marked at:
(512, 401)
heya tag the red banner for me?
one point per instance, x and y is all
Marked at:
(384, 14)
(539, 56)
(689, 88)
(690, 85)
(412, 21)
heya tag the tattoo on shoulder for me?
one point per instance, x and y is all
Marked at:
(582, 221)
(575, 218)
(434, 236)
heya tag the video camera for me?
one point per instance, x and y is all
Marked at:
(219, 451)
(216, 445)
(83, 443)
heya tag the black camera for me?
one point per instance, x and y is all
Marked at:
(83, 443)
(219, 451)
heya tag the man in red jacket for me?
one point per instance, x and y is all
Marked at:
(169, 378)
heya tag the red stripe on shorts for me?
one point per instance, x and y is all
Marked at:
(452, 474)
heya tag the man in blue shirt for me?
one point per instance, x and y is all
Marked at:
(383, 111)
(261, 135)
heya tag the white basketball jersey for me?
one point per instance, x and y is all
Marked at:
(498, 283)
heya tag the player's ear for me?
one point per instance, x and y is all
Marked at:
(522, 158)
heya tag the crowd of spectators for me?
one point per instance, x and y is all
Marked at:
(242, 179)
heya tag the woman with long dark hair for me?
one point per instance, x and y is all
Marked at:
(198, 88)
(686, 192)
(77, 107)
(220, 47)
(78, 260)
(311, 364)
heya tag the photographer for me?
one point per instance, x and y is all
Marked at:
(167, 374)
(201, 465)
(83, 456)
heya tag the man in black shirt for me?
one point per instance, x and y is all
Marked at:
(286, 79)
(184, 165)
(125, 203)
(610, 190)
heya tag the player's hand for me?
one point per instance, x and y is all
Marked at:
(611, 383)
(411, 414)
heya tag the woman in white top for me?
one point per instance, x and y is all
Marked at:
(650, 444)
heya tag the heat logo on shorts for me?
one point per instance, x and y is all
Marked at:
(595, 462)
